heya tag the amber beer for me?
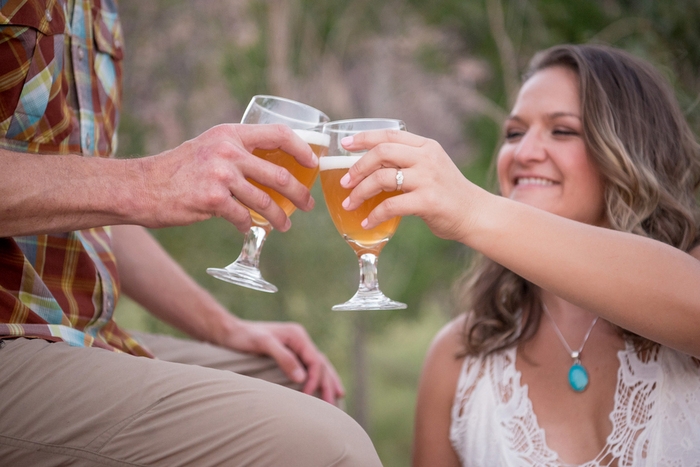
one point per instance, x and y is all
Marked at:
(306, 176)
(348, 223)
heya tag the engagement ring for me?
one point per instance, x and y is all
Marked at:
(399, 179)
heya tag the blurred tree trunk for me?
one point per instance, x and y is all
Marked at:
(506, 52)
(279, 76)
(360, 389)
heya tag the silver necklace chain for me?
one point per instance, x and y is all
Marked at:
(577, 354)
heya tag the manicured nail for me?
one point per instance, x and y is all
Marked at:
(364, 223)
(347, 141)
(346, 202)
(345, 180)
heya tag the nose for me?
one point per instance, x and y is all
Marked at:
(530, 148)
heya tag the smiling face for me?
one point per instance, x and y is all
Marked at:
(543, 161)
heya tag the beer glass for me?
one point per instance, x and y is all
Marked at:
(367, 243)
(306, 122)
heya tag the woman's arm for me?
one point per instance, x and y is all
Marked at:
(436, 391)
(642, 285)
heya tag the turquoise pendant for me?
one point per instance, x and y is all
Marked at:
(578, 377)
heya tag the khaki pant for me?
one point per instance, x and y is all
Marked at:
(67, 406)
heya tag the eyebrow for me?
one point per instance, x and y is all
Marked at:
(550, 116)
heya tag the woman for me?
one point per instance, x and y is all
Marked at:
(580, 326)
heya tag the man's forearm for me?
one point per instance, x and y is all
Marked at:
(187, 184)
(60, 193)
(154, 280)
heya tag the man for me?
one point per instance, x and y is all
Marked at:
(70, 393)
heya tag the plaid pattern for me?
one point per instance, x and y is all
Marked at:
(60, 90)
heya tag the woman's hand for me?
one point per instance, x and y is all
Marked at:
(433, 188)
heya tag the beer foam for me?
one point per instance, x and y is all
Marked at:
(314, 137)
(337, 162)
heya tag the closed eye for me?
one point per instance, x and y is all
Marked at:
(562, 132)
(513, 134)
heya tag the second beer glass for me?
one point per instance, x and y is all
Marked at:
(366, 243)
(306, 122)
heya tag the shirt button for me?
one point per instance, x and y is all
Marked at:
(81, 54)
(48, 16)
(88, 140)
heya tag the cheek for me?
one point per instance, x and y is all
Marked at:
(592, 188)
(503, 161)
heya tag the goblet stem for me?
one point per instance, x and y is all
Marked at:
(368, 295)
(252, 245)
(244, 271)
(368, 273)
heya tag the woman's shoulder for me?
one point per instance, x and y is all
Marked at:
(448, 344)
(436, 392)
(445, 355)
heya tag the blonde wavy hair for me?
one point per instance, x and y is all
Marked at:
(637, 136)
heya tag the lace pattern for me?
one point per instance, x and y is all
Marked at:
(655, 419)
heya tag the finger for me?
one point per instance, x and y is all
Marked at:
(321, 380)
(287, 361)
(321, 375)
(280, 136)
(381, 156)
(368, 139)
(252, 197)
(332, 389)
(396, 206)
(264, 175)
(235, 213)
(337, 384)
(377, 182)
(315, 374)
(327, 390)
(279, 179)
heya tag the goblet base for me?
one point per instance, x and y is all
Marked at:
(374, 300)
(245, 276)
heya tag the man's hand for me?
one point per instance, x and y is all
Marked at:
(152, 279)
(208, 176)
(291, 347)
(195, 181)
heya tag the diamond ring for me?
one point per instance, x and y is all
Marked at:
(399, 179)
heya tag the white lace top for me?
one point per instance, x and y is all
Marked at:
(656, 417)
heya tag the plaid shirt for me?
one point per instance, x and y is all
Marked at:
(60, 91)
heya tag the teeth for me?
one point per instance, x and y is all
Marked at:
(533, 181)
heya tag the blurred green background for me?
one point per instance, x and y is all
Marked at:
(450, 69)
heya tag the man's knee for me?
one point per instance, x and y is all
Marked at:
(323, 435)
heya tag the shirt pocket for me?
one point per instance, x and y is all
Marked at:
(109, 52)
(32, 87)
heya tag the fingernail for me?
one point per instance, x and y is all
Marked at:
(299, 375)
(312, 203)
(364, 223)
(347, 141)
(346, 202)
(287, 225)
(345, 180)
(315, 159)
